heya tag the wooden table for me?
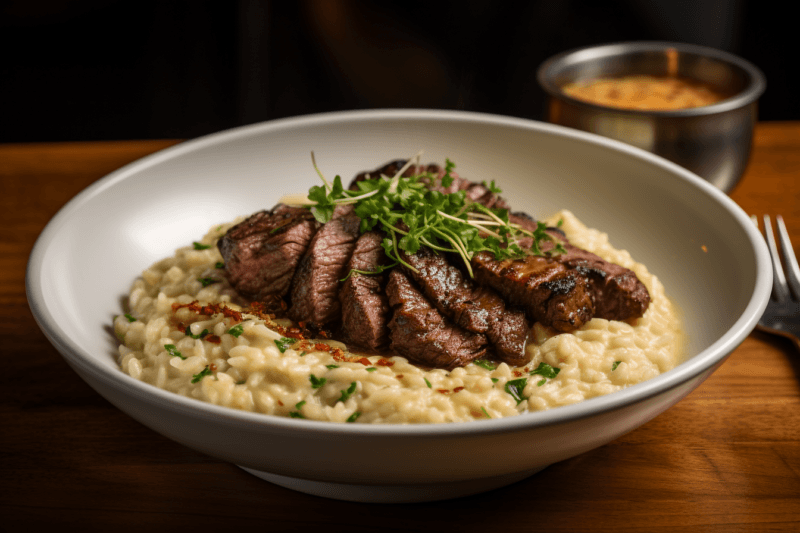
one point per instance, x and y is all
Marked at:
(726, 458)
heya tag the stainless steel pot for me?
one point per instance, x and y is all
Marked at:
(713, 141)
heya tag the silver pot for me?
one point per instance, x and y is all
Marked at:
(713, 141)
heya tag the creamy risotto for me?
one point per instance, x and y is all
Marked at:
(242, 360)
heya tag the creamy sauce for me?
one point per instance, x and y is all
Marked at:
(644, 93)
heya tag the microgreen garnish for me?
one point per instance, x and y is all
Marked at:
(411, 215)
(316, 382)
(546, 371)
(515, 388)
(201, 246)
(615, 365)
(205, 282)
(283, 343)
(354, 416)
(347, 393)
(202, 334)
(130, 317)
(236, 330)
(483, 363)
(203, 373)
(173, 351)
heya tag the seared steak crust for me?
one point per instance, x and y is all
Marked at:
(547, 291)
(474, 307)
(421, 334)
(315, 286)
(262, 252)
(365, 306)
(618, 294)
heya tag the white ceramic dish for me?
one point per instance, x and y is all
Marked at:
(88, 255)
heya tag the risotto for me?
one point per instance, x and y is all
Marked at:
(187, 332)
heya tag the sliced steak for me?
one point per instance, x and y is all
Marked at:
(315, 286)
(262, 252)
(421, 334)
(365, 307)
(617, 293)
(547, 291)
(474, 307)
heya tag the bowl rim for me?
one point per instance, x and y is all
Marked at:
(750, 94)
(699, 363)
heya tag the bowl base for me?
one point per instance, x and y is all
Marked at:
(411, 493)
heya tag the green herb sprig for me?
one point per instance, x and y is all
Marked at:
(411, 215)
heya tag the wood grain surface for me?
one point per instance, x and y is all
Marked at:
(726, 458)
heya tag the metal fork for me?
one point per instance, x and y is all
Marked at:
(782, 316)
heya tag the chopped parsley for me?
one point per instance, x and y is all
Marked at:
(347, 393)
(130, 317)
(331, 367)
(298, 406)
(515, 388)
(428, 383)
(354, 416)
(541, 382)
(615, 365)
(203, 373)
(202, 334)
(219, 264)
(201, 246)
(283, 343)
(372, 369)
(495, 380)
(236, 330)
(241, 382)
(546, 371)
(316, 382)
(484, 412)
(205, 282)
(411, 215)
(173, 351)
(483, 363)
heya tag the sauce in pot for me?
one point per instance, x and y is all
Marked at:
(649, 93)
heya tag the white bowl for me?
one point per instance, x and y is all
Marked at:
(87, 257)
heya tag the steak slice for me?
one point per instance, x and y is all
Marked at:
(547, 291)
(365, 306)
(262, 252)
(315, 286)
(617, 293)
(421, 334)
(474, 307)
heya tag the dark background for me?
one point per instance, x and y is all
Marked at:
(96, 70)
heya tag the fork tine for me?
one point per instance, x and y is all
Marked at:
(789, 259)
(779, 288)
